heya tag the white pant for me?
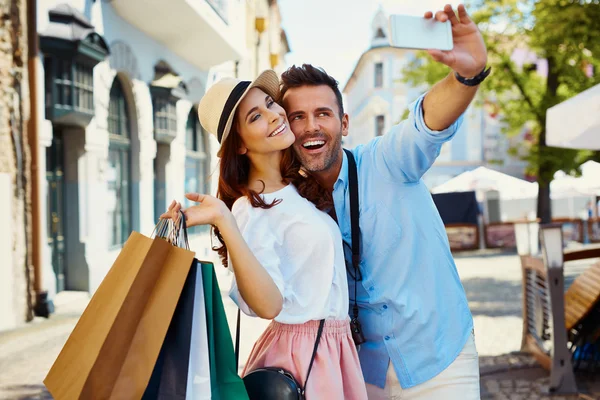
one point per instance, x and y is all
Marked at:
(460, 381)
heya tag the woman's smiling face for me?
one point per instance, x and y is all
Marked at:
(262, 124)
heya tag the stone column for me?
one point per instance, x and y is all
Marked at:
(45, 141)
(143, 197)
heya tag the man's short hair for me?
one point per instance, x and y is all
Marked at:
(308, 75)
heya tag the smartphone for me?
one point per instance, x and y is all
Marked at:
(410, 32)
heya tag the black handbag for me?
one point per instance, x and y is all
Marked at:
(274, 383)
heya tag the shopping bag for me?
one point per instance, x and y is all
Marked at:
(197, 361)
(198, 383)
(182, 370)
(113, 349)
(225, 383)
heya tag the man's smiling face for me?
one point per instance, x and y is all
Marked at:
(314, 117)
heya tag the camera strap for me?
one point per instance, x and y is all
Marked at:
(354, 223)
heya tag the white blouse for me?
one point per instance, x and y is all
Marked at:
(301, 249)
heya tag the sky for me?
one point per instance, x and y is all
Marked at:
(334, 33)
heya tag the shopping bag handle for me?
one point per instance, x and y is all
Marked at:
(183, 242)
(174, 233)
(162, 228)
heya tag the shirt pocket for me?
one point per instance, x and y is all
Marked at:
(380, 232)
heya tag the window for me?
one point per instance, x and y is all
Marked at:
(165, 117)
(166, 89)
(71, 49)
(69, 91)
(119, 172)
(63, 82)
(197, 161)
(379, 125)
(379, 75)
(379, 33)
(83, 88)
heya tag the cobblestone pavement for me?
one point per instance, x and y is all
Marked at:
(27, 354)
(491, 280)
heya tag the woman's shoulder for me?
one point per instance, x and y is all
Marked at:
(287, 203)
(241, 206)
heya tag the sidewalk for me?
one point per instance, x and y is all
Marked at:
(492, 283)
(27, 353)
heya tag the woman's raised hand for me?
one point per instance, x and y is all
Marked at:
(208, 211)
(169, 213)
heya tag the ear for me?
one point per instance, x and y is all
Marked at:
(242, 150)
(345, 124)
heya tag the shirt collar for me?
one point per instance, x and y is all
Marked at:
(343, 175)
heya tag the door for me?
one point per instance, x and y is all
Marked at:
(55, 204)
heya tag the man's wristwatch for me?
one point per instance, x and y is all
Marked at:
(476, 80)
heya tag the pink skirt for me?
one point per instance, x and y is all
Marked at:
(336, 372)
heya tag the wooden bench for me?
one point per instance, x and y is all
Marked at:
(463, 237)
(582, 296)
(572, 308)
(499, 235)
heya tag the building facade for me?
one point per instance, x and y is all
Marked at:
(377, 98)
(119, 136)
(16, 288)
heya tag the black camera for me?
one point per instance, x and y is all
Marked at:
(357, 334)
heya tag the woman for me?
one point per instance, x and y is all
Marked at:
(286, 254)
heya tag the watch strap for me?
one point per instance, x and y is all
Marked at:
(476, 80)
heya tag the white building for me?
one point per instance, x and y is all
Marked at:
(118, 90)
(377, 98)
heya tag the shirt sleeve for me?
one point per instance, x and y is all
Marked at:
(410, 148)
(263, 242)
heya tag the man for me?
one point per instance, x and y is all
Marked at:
(413, 308)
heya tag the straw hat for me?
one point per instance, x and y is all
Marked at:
(218, 106)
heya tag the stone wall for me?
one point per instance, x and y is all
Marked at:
(14, 164)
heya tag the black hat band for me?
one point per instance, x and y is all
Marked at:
(232, 100)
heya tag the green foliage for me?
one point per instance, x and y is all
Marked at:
(567, 34)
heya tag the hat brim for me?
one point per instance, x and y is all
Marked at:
(266, 81)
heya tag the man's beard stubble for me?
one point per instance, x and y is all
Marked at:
(323, 161)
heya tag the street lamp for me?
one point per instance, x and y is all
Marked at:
(260, 24)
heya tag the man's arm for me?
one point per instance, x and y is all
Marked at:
(445, 102)
(448, 99)
(411, 147)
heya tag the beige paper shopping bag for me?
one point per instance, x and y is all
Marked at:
(112, 350)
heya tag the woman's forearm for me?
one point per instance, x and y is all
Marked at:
(254, 283)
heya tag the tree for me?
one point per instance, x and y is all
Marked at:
(565, 33)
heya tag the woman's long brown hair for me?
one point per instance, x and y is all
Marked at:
(233, 182)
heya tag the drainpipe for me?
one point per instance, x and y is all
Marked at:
(42, 307)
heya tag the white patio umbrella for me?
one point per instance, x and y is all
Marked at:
(483, 179)
(589, 182)
(564, 185)
(575, 123)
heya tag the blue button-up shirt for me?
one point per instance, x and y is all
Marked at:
(413, 308)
